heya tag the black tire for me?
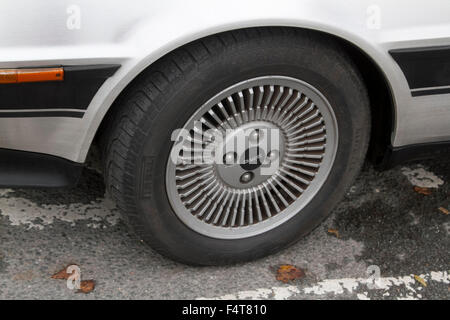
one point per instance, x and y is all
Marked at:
(137, 145)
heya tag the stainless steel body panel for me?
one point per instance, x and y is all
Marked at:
(136, 33)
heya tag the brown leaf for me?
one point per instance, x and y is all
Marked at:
(86, 286)
(288, 273)
(443, 210)
(334, 231)
(424, 191)
(420, 280)
(62, 275)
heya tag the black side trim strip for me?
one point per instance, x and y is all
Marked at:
(424, 67)
(42, 114)
(29, 169)
(397, 155)
(80, 85)
(428, 92)
(81, 73)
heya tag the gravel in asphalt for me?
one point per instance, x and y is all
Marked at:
(383, 226)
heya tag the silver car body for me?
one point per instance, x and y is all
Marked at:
(136, 33)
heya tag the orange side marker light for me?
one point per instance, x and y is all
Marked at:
(31, 75)
(8, 76)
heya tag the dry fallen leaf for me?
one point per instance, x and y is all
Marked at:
(443, 210)
(288, 273)
(86, 286)
(420, 280)
(334, 231)
(424, 191)
(62, 275)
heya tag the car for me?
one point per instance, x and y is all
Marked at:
(228, 129)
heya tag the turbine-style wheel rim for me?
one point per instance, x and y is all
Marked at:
(252, 157)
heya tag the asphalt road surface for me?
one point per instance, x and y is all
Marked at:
(384, 241)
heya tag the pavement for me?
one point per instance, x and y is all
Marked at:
(384, 241)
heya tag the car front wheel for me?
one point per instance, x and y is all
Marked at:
(237, 145)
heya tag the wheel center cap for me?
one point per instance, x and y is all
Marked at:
(246, 149)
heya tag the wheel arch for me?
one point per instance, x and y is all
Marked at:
(381, 94)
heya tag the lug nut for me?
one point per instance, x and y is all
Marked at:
(273, 155)
(247, 177)
(229, 158)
